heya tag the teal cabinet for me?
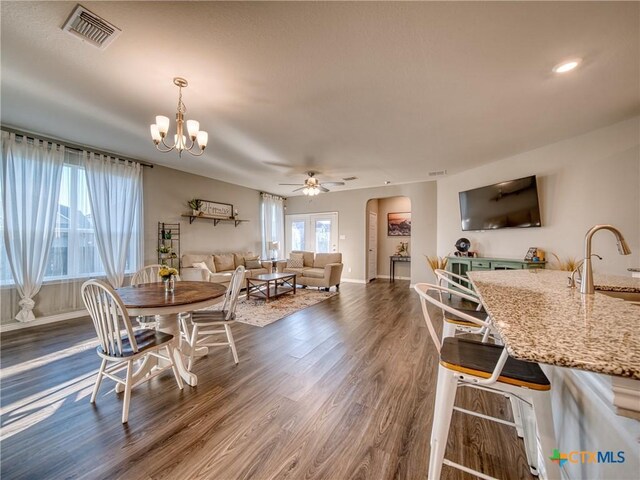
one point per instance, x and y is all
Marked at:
(461, 265)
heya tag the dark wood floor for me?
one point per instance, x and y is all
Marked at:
(344, 389)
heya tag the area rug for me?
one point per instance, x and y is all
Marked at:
(260, 313)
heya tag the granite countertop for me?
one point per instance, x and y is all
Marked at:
(542, 320)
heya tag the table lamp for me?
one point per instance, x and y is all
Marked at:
(274, 247)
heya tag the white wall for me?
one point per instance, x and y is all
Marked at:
(582, 181)
(351, 206)
(166, 193)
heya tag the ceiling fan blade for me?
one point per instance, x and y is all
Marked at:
(301, 188)
(291, 184)
(322, 189)
(332, 184)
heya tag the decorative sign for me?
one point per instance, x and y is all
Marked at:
(215, 209)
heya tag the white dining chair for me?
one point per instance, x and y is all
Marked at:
(474, 364)
(203, 320)
(119, 344)
(148, 274)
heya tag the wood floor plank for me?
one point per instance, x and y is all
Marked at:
(344, 389)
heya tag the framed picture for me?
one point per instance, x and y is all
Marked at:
(533, 252)
(217, 209)
(399, 224)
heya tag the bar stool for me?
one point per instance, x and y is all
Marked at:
(469, 363)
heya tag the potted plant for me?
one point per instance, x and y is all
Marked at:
(437, 262)
(164, 251)
(195, 204)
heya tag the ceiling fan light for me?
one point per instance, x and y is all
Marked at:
(163, 124)
(306, 191)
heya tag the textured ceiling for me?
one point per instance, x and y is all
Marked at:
(380, 91)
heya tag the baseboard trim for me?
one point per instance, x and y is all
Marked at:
(387, 277)
(43, 320)
(352, 280)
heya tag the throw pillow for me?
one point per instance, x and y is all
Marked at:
(201, 265)
(296, 260)
(251, 264)
(224, 263)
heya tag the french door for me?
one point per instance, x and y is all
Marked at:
(314, 232)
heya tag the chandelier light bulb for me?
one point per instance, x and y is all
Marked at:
(192, 127)
(163, 124)
(155, 133)
(203, 139)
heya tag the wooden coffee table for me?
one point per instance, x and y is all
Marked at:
(271, 285)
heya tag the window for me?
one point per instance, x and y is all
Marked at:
(315, 232)
(74, 253)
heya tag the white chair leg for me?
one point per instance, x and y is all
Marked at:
(546, 432)
(445, 398)
(517, 415)
(98, 380)
(127, 393)
(192, 345)
(170, 352)
(530, 437)
(232, 344)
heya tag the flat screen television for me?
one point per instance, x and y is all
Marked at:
(512, 204)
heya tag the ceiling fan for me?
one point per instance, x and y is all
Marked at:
(312, 186)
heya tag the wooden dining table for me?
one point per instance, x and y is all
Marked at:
(150, 299)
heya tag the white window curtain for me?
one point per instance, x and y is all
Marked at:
(31, 174)
(272, 223)
(115, 196)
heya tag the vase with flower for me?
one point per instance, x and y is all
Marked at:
(168, 276)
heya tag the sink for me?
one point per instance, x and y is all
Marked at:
(633, 297)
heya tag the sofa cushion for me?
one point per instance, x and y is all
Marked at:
(252, 264)
(224, 262)
(257, 271)
(313, 272)
(296, 260)
(297, 271)
(238, 259)
(308, 257)
(191, 258)
(323, 259)
(202, 265)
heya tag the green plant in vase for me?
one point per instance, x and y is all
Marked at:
(164, 251)
(195, 204)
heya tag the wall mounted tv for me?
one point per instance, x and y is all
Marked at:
(512, 204)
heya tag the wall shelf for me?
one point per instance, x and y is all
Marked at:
(216, 220)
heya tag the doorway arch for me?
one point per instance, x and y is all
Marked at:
(378, 210)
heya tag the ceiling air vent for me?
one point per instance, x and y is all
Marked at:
(437, 173)
(90, 28)
(348, 179)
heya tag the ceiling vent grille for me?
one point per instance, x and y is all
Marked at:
(348, 179)
(437, 173)
(91, 28)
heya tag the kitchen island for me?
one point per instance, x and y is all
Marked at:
(589, 348)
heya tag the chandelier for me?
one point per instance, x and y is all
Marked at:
(160, 129)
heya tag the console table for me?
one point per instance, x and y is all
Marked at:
(392, 265)
(462, 265)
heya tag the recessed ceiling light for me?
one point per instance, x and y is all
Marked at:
(567, 66)
(387, 182)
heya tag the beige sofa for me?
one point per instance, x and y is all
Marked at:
(322, 270)
(220, 266)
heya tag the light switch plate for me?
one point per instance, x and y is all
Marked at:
(343, 237)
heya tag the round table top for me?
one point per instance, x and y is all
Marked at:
(152, 295)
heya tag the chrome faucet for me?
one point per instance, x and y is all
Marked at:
(586, 285)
